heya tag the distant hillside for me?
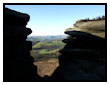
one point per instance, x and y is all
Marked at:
(46, 38)
(56, 44)
(46, 50)
(46, 47)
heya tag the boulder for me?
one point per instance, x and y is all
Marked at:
(18, 64)
(96, 28)
(15, 18)
(84, 53)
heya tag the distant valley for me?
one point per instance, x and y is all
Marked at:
(46, 47)
(46, 38)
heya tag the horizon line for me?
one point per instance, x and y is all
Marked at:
(47, 35)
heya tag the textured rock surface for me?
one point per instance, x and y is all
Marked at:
(84, 55)
(94, 27)
(91, 25)
(18, 64)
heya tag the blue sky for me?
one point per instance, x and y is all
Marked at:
(54, 19)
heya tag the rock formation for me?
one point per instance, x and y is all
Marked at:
(18, 64)
(94, 27)
(84, 55)
(82, 58)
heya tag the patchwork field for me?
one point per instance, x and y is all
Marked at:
(46, 50)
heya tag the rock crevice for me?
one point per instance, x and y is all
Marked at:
(82, 58)
(84, 55)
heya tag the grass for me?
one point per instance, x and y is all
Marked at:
(38, 45)
(48, 43)
(43, 51)
(46, 50)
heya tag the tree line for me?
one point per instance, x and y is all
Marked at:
(95, 19)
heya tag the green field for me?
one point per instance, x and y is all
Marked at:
(46, 49)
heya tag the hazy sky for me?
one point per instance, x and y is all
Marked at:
(54, 19)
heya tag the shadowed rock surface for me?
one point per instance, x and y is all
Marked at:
(84, 56)
(16, 18)
(18, 64)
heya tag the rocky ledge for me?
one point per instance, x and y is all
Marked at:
(84, 56)
(93, 27)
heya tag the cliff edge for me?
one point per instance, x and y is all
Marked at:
(94, 27)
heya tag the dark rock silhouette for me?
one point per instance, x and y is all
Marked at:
(18, 64)
(16, 18)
